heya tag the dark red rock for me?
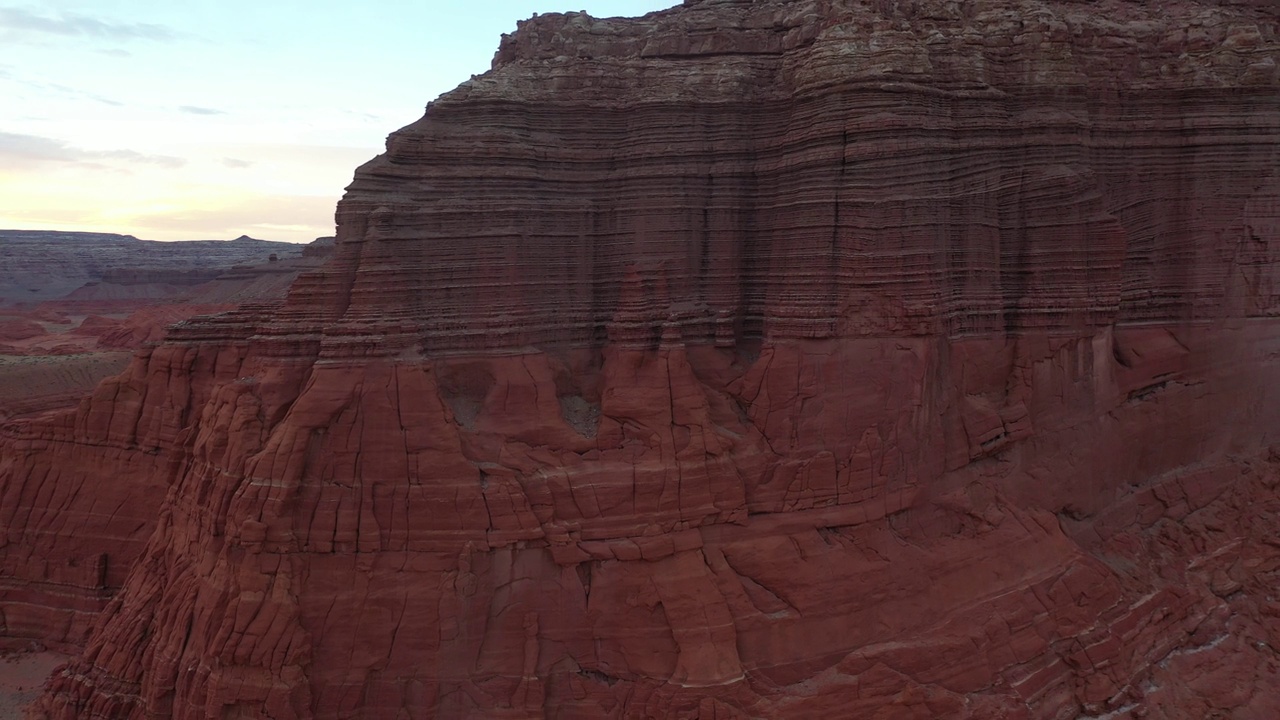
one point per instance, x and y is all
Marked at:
(12, 329)
(749, 359)
(149, 324)
(95, 325)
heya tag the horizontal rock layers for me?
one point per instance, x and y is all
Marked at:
(39, 266)
(749, 359)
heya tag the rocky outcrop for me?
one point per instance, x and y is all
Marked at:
(150, 324)
(749, 359)
(19, 328)
(321, 247)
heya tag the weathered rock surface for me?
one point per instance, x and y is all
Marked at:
(749, 359)
(19, 329)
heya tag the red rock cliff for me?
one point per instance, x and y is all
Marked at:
(749, 359)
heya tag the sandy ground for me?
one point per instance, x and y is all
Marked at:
(22, 675)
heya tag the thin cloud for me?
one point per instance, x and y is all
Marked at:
(18, 150)
(196, 110)
(363, 115)
(236, 162)
(115, 52)
(58, 88)
(166, 161)
(73, 92)
(77, 25)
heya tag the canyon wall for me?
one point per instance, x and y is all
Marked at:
(749, 359)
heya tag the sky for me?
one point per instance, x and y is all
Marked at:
(211, 119)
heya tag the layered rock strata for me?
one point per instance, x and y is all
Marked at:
(748, 359)
(39, 265)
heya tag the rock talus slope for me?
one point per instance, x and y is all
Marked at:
(748, 359)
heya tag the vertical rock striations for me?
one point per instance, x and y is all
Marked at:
(748, 359)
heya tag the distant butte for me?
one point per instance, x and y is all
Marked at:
(45, 265)
(810, 359)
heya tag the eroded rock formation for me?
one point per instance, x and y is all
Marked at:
(749, 359)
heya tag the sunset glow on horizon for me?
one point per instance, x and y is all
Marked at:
(213, 120)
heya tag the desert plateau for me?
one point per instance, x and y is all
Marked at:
(874, 359)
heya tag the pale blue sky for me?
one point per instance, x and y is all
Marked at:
(199, 119)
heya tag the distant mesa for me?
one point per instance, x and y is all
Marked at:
(87, 299)
(41, 266)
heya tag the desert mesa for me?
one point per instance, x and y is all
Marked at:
(748, 359)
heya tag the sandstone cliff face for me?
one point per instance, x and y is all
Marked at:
(749, 359)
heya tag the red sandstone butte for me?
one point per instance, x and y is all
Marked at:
(765, 359)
